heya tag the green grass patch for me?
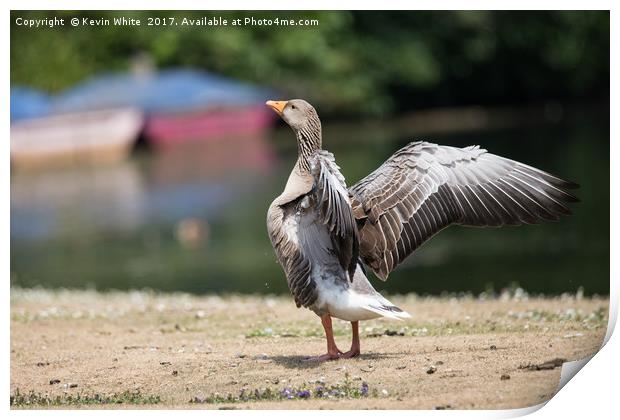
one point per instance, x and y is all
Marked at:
(597, 317)
(318, 390)
(37, 399)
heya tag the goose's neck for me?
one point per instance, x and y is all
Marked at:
(308, 141)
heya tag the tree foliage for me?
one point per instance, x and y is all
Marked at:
(352, 63)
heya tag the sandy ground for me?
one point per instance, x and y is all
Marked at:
(180, 348)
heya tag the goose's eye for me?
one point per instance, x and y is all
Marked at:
(293, 107)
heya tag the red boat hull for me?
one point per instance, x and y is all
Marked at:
(171, 129)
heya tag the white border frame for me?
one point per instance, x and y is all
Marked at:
(592, 393)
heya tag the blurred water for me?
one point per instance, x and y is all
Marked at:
(193, 219)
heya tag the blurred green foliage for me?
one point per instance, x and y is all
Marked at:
(352, 63)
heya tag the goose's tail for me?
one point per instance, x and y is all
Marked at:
(384, 307)
(393, 312)
(371, 300)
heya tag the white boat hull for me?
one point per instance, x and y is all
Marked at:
(88, 137)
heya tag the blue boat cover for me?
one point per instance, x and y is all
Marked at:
(28, 103)
(167, 91)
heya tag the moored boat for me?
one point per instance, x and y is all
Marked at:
(167, 129)
(81, 137)
(179, 105)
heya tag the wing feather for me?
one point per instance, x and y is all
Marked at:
(334, 207)
(283, 233)
(424, 188)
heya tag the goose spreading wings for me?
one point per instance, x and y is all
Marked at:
(323, 233)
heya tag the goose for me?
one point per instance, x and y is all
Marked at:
(324, 234)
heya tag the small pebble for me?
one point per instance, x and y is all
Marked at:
(392, 333)
(439, 362)
(384, 392)
(54, 381)
(504, 377)
(431, 369)
(240, 355)
(175, 372)
(199, 399)
(493, 347)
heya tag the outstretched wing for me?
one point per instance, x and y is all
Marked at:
(425, 187)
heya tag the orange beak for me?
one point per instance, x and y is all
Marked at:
(277, 106)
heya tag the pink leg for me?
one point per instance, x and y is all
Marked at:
(355, 344)
(332, 350)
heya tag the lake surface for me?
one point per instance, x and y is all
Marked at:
(193, 219)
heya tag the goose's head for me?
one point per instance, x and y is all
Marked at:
(298, 114)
